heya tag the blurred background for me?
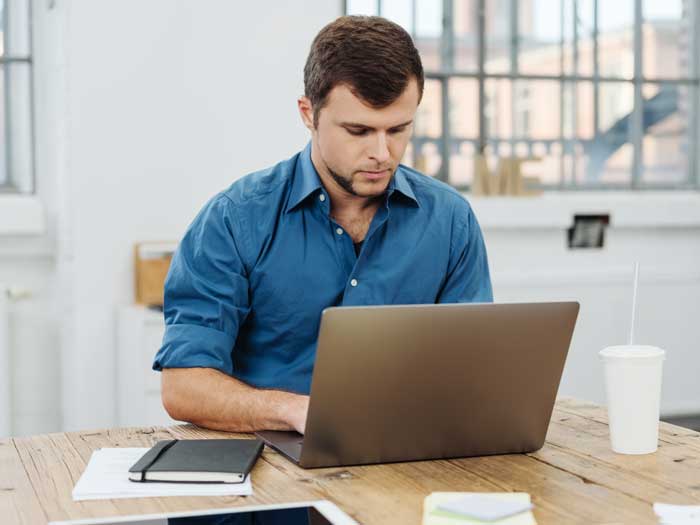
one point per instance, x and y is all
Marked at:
(118, 120)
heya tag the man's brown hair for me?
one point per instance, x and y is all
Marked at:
(373, 56)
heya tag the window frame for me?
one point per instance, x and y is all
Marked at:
(12, 184)
(636, 132)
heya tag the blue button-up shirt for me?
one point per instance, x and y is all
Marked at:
(261, 261)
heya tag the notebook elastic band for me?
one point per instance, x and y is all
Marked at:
(157, 456)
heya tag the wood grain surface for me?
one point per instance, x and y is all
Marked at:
(574, 478)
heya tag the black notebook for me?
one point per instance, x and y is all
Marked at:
(198, 461)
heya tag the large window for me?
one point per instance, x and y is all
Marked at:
(603, 94)
(16, 141)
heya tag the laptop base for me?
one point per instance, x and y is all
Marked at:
(286, 443)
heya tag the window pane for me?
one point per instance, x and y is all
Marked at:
(537, 109)
(498, 36)
(428, 121)
(616, 39)
(548, 165)
(464, 108)
(498, 114)
(462, 162)
(466, 31)
(428, 18)
(616, 102)
(362, 7)
(18, 120)
(428, 158)
(429, 50)
(407, 158)
(498, 105)
(539, 27)
(16, 17)
(536, 128)
(609, 149)
(578, 129)
(666, 39)
(464, 128)
(399, 11)
(429, 33)
(4, 179)
(2, 27)
(577, 56)
(667, 122)
(585, 123)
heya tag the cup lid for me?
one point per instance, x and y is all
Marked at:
(632, 352)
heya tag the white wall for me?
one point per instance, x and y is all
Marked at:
(168, 103)
(146, 109)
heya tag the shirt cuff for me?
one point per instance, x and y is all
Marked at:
(194, 346)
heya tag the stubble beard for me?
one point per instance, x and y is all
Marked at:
(347, 183)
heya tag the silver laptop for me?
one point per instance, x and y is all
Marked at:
(414, 382)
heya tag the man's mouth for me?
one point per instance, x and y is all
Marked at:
(374, 175)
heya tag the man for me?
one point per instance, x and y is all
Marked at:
(340, 223)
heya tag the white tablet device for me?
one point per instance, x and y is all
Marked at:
(303, 513)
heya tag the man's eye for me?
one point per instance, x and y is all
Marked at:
(397, 130)
(357, 132)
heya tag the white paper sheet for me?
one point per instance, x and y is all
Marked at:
(677, 514)
(107, 476)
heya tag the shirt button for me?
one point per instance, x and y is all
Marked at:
(339, 231)
(353, 283)
(322, 197)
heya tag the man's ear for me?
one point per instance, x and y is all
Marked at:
(306, 111)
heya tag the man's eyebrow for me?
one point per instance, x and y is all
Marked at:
(363, 126)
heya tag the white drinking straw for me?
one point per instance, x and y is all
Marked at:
(634, 301)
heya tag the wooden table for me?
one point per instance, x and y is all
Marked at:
(575, 478)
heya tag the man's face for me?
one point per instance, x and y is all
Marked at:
(359, 146)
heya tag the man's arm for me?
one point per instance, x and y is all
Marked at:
(209, 398)
(468, 278)
(206, 302)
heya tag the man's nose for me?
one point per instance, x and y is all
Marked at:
(380, 151)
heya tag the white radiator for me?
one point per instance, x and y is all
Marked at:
(6, 296)
(5, 376)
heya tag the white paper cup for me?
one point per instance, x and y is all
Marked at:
(633, 388)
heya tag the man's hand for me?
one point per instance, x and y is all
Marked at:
(298, 409)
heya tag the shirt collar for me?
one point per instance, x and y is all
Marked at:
(400, 183)
(306, 181)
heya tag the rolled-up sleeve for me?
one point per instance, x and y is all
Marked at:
(206, 292)
(468, 277)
